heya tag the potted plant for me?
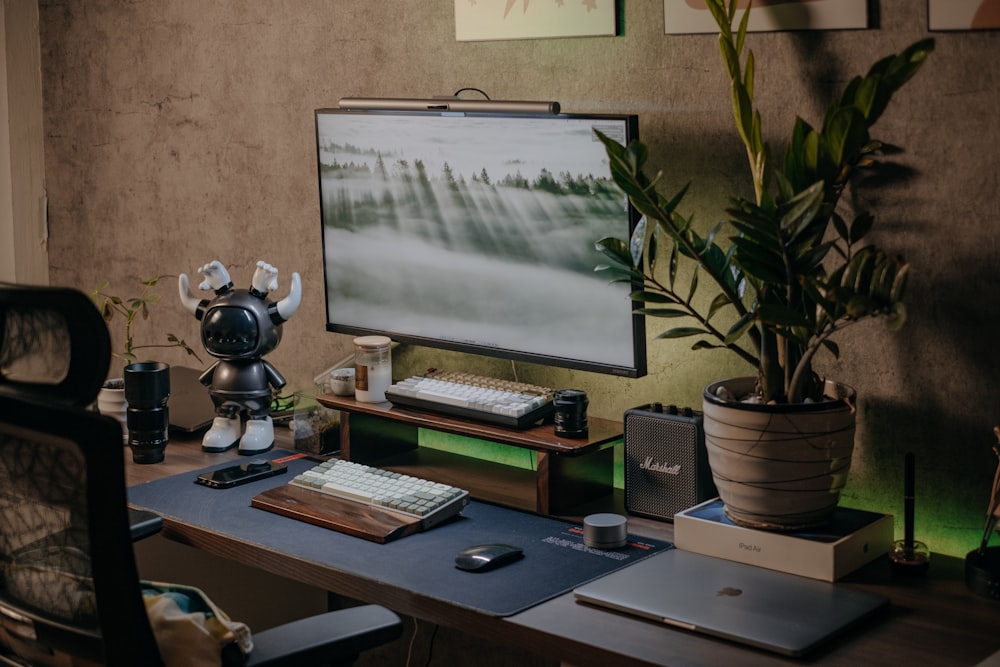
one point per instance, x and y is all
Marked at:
(111, 399)
(795, 272)
(130, 308)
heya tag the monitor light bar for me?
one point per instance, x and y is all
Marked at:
(448, 104)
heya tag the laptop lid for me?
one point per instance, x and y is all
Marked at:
(772, 610)
(190, 406)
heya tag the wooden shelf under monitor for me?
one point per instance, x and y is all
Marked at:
(568, 472)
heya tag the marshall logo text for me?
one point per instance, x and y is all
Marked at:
(652, 466)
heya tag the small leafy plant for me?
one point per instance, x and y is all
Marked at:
(795, 270)
(130, 308)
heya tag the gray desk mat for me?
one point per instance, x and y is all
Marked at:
(555, 558)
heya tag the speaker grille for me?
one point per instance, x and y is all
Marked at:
(665, 467)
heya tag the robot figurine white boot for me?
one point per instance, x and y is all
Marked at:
(223, 435)
(259, 436)
(238, 327)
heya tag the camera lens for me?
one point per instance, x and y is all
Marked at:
(147, 388)
(570, 413)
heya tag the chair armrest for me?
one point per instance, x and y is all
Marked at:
(325, 638)
(143, 523)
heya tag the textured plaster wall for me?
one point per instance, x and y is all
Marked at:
(181, 131)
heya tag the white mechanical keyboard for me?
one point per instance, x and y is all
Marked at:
(477, 397)
(428, 501)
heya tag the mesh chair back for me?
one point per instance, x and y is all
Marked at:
(68, 580)
(54, 344)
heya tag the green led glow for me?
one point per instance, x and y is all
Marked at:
(478, 449)
(498, 453)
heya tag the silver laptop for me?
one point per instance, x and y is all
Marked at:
(772, 610)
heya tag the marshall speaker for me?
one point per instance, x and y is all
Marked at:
(666, 466)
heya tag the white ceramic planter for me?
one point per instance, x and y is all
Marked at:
(111, 402)
(779, 467)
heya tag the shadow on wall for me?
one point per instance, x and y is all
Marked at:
(954, 470)
(947, 359)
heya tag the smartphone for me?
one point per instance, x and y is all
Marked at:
(226, 478)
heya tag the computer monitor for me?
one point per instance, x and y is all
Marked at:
(475, 232)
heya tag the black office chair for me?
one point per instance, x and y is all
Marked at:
(69, 585)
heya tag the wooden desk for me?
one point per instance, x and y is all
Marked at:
(931, 621)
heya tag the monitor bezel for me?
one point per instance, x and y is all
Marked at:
(638, 366)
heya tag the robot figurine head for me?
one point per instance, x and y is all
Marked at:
(240, 324)
(237, 325)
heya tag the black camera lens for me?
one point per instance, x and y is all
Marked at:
(147, 388)
(570, 413)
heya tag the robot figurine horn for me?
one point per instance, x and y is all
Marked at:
(238, 327)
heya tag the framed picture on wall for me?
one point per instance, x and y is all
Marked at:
(481, 20)
(691, 16)
(963, 14)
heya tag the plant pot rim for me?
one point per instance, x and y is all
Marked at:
(831, 388)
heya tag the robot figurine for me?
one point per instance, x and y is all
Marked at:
(238, 327)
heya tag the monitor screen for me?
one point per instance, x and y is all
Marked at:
(475, 232)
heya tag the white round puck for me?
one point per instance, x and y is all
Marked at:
(605, 531)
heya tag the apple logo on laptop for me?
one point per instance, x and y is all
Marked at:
(729, 591)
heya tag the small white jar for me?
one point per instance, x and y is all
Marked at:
(372, 368)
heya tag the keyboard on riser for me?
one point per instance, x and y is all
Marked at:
(422, 499)
(477, 397)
